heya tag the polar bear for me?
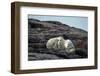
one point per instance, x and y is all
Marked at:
(69, 46)
(60, 43)
(55, 43)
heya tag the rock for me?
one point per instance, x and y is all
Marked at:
(74, 56)
(39, 32)
(82, 52)
(42, 56)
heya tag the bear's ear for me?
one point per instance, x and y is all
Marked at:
(61, 38)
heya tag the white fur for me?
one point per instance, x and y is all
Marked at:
(55, 43)
(69, 46)
(60, 43)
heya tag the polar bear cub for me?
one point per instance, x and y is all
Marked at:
(55, 43)
(60, 43)
(69, 46)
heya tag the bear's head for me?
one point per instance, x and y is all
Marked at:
(60, 41)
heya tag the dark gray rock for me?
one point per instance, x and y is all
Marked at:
(42, 56)
(39, 32)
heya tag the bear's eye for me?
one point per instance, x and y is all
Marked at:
(59, 40)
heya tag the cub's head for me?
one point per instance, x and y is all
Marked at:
(60, 39)
(60, 42)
